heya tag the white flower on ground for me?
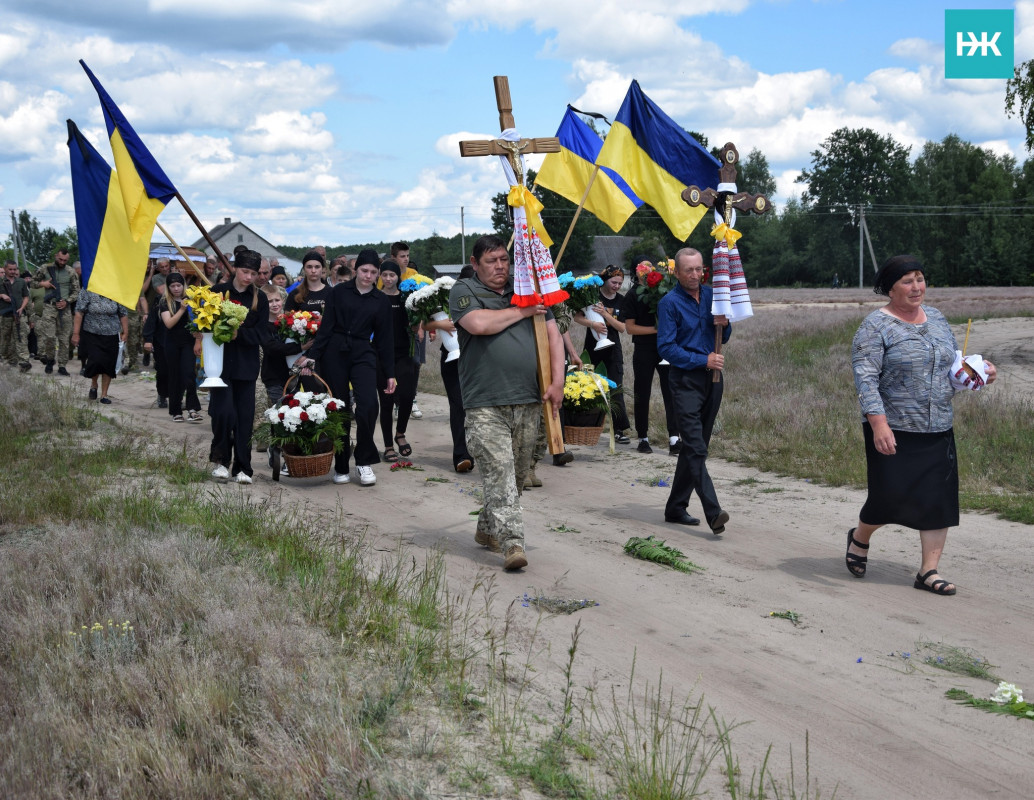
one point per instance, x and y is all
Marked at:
(1007, 694)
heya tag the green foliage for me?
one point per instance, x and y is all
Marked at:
(1019, 99)
(650, 549)
(1021, 709)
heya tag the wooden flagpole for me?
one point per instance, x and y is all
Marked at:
(188, 259)
(226, 262)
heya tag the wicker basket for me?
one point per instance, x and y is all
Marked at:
(589, 437)
(309, 466)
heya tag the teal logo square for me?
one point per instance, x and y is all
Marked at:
(978, 44)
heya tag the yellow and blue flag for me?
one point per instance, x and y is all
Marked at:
(568, 173)
(658, 159)
(113, 262)
(145, 186)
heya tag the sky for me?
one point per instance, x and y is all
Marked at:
(338, 121)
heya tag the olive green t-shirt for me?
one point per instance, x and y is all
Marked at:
(496, 370)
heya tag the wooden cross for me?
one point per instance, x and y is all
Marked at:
(724, 203)
(513, 151)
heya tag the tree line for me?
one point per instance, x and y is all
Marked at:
(960, 208)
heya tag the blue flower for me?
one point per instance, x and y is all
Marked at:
(408, 285)
(859, 661)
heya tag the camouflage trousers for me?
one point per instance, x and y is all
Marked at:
(135, 342)
(54, 333)
(501, 439)
(13, 350)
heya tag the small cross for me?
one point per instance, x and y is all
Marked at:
(512, 150)
(725, 202)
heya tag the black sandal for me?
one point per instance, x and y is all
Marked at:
(390, 454)
(937, 587)
(855, 562)
(405, 449)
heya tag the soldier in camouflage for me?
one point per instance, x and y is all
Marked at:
(54, 327)
(499, 383)
(14, 300)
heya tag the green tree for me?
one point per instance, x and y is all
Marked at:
(1019, 99)
(853, 168)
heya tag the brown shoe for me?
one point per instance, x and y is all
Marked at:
(486, 540)
(515, 558)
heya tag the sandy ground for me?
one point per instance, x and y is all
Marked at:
(878, 729)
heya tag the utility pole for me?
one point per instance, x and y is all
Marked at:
(463, 239)
(861, 252)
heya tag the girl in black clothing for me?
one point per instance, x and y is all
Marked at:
(611, 357)
(312, 293)
(642, 325)
(406, 367)
(232, 409)
(179, 351)
(354, 337)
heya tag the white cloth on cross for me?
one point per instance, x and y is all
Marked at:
(528, 249)
(728, 283)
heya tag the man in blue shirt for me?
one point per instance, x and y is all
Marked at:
(685, 337)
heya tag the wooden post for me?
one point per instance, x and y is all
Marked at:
(226, 262)
(513, 151)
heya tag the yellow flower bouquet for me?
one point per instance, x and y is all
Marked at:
(586, 391)
(211, 312)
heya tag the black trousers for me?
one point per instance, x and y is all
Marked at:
(613, 360)
(646, 359)
(232, 411)
(457, 416)
(696, 400)
(360, 370)
(180, 360)
(406, 371)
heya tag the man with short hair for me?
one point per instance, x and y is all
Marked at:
(685, 337)
(264, 273)
(501, 397)
(14, 299)
(212, 269)
(400, 255)
(54, 328)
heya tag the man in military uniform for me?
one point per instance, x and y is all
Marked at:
(14, 337)
(54, 328)
(499, 384)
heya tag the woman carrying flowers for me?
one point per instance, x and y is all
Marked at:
(179, 350)
(232, 408)
(312, 292)
(354, 336)
(640, 315)
(609, 300)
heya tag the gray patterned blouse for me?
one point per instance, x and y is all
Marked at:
(901, 370)
(101, 316)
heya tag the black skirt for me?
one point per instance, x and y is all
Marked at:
(918, 486)
(98, 353)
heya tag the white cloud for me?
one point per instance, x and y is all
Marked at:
(285, 132)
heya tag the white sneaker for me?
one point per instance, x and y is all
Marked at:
(366, 476)
(243, 477)
(284, 470)
(339, 478)
(417, 413)
(221, 472)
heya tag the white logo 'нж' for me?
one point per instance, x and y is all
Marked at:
(982, 43)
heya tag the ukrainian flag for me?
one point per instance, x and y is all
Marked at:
(113, 262)
(145, 186)
(658, 159)
(568, 173)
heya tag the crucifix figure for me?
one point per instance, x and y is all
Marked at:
(730, 286)
(535, 279)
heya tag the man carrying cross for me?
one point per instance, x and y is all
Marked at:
(500, 391)
(685, 337)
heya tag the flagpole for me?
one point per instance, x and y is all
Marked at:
(570, 229)
(200, 227)
(186, 258)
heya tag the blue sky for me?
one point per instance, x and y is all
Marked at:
(330, 122)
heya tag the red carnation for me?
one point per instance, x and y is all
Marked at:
(653, 279)
(293, 403)
(281, 415)
(288, 397)
(304, 417)
(237, 302)
(331, 406)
